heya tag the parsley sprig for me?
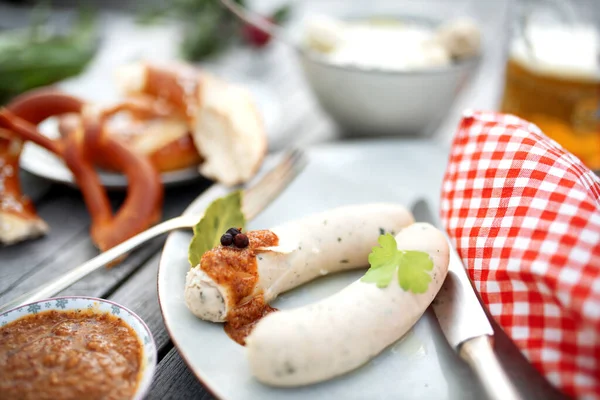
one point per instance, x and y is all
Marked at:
(411, 266)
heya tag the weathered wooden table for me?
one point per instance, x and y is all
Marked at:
(133, 283)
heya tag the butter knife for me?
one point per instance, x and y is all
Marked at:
(464, 321)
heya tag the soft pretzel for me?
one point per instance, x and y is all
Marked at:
(225, 124)
(18, 218)
(150, 127)
(179, 116)
(173, 117)
(81, 149)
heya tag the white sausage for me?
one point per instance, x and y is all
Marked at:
(328, 242)
(340, 333)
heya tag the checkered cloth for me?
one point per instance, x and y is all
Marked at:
(524, 215)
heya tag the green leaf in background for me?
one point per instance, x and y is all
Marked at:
(221, 214)
(201, 39)
(208, 27)
(35, 57)
(282, 14)
(413, 266)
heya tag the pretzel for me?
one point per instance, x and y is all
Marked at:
(179, 85)
(18, 218)
(225, 124)
(154, 129)
(177, 116)
(82, 149)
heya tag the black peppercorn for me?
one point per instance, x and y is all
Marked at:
(233, 231)
(241, 241)
(226, 239)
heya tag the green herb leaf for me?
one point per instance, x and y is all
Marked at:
(385, 255)
(383, 261)
(412, 272)
(222, 214)
(412, 266)
(381, 276)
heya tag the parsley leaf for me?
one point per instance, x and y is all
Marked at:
(385, 255)
(412, 266)
(412, 272)
(221, 214)
(380, 276)
(383, 261)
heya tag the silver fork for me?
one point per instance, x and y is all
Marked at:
(255, 199)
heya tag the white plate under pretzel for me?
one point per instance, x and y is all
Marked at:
(39, 161)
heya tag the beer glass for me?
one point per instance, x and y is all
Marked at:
(553, 73)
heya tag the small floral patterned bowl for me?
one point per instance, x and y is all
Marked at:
(74, 303)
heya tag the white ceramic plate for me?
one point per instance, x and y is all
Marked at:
(419, 366)
(39, 161)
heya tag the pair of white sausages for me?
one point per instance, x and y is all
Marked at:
(338, 334)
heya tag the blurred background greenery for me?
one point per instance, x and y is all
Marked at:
(41, 52)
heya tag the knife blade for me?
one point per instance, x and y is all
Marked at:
(463, 320)
(456, 305)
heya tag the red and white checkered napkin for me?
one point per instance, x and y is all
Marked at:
(524, 215)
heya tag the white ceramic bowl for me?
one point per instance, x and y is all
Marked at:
(379, 102)
(74, 303)
(385, 102)
(416, 103)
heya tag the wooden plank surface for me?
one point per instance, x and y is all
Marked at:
(174, 380)
(138, 293)
(65, 213)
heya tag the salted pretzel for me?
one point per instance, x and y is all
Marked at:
(18, 218)
(180, 116)
(82, 149)
(148, 126)
(175, 116)
(224, 122)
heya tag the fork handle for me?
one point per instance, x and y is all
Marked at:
(479, 354)
(64, 281)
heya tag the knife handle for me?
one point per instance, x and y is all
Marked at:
(479, 354)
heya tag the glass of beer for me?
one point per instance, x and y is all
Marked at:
(553, 76)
